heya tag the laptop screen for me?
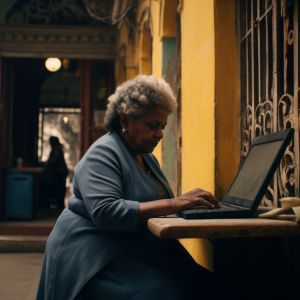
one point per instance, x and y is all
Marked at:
(253, 172)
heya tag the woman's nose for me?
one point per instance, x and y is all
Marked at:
(159, 133)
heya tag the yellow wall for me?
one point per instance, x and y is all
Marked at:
(198, 147)
(197, 31)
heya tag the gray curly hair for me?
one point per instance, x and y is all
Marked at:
(134, 97)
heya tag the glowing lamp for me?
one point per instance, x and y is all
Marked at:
(53, 64)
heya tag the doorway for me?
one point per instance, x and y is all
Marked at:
(44, 104)
(68, 104)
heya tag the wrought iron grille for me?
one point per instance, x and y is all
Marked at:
(269, 83)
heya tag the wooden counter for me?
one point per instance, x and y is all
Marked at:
(240, 250)
(34, 170)
(174, 228)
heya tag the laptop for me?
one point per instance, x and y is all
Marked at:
(251, 181)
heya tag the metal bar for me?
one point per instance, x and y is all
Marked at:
(285, 49)
(247, 61)
(258, 55)
(247, 73)
(252, 68)
(248, 32)
(267, 54)
(275, 67)
(296, 97)
(275, 88)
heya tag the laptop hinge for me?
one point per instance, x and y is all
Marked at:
(234, 205)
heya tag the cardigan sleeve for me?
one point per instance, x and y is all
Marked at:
(98, 179)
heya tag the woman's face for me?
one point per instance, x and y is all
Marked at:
(144, 133)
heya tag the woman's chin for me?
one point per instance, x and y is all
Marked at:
(148, 149)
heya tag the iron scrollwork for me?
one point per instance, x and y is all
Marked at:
(273, 110)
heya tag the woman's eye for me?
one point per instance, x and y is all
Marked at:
(156, 126)
(153, 125)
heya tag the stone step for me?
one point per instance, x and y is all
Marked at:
(25, 228)
(22, 243)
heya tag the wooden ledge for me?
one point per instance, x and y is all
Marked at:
(175, 228)
(27, 170)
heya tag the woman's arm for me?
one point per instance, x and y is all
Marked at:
(99, 180)
(169, 206)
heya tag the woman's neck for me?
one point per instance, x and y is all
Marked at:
(136, 156)
(139, 160)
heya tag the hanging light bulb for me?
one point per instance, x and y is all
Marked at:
(53, 64)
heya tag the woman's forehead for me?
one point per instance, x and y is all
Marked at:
(157, 110)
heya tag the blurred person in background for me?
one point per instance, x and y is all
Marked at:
(57, 172)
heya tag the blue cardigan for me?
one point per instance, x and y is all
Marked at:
(101, 218)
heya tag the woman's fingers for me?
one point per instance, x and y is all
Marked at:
(198, 197)
(204, 202)
(203, 197)
(208, 197)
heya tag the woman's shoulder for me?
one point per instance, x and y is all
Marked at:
(107, 149)
(108, 142)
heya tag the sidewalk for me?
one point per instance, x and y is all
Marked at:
(22, 244)
(19, 275)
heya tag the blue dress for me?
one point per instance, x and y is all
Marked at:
(98, 250)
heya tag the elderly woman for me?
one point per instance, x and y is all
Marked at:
(100, 247)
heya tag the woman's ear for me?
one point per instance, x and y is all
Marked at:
(123, 121)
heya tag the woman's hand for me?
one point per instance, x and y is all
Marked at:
(194, 198)
(164, 207)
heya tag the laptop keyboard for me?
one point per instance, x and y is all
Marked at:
(223, 207)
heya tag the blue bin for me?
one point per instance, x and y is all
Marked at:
(18, 201)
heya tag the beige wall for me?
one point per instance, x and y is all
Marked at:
(156, 39)
(156, 53)
(227, 117)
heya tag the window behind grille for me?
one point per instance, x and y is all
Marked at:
(269, 82)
